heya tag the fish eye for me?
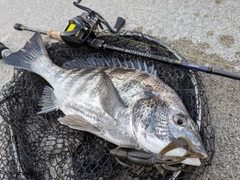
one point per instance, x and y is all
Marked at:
(180, 120)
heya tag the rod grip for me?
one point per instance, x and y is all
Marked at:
(53, 34)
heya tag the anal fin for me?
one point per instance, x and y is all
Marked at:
(78, 122)
(48, 101)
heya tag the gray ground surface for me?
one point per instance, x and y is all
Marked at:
(204, 32)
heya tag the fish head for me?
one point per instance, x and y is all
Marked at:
(157, 122)
(181, 125)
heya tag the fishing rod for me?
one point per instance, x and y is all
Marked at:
(98, 43)
(84, 29)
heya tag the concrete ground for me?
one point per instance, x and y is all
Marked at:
(204, 32)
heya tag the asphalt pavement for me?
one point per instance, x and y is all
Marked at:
(204, 32)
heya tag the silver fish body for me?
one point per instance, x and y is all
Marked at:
(127, 107)
(82, 92)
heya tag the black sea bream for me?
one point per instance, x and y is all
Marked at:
(128, 107)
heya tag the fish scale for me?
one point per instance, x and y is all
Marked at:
(81, 107)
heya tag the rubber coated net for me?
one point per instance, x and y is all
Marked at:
(38, 147)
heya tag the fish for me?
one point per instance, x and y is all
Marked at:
(128, 107)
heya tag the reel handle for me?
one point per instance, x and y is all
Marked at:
(119, 23)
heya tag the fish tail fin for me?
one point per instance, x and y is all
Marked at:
(33, 51)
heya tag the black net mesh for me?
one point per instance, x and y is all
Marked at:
(38, 147)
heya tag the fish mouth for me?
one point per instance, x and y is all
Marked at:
(200, 152)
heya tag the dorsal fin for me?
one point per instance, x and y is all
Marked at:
(113, 62)
(79, 63)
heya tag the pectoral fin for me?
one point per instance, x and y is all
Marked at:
(109, 97)
(77, 122)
